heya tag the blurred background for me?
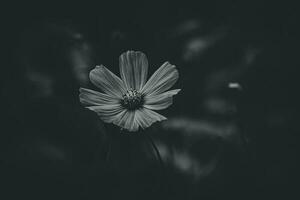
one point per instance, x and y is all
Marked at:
(232, 132)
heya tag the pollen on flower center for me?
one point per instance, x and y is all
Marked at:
(132, 99)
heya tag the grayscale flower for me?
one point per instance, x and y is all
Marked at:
(129, 101)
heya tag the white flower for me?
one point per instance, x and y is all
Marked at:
(129, 102)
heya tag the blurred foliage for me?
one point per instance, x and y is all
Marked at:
(219, 142)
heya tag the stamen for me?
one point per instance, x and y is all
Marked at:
(132, 100)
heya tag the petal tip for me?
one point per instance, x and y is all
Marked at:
(171, 66)
(132, 52)
(163, 118)
(99, 66)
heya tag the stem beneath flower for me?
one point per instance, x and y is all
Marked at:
(156, 151)
(108, 150)
(163, 169)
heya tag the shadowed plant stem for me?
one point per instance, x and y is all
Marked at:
(108, 150)
(156, 151)
(163, 169)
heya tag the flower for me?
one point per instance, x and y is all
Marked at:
(129, 101)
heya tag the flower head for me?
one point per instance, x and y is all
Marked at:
(129, 101)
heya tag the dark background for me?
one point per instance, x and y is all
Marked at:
(219, 142)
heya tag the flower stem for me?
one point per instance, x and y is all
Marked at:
(156, 151)
(108, 151)
(163, 169)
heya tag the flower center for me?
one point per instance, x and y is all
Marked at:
(132, 100)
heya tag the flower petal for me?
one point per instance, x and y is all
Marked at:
(146, 117)
(91, 97)
(127, 121)
(108, 113)
(160, 101)
(104, 79)
(162, 79)
(131, 123)
(133, 69)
